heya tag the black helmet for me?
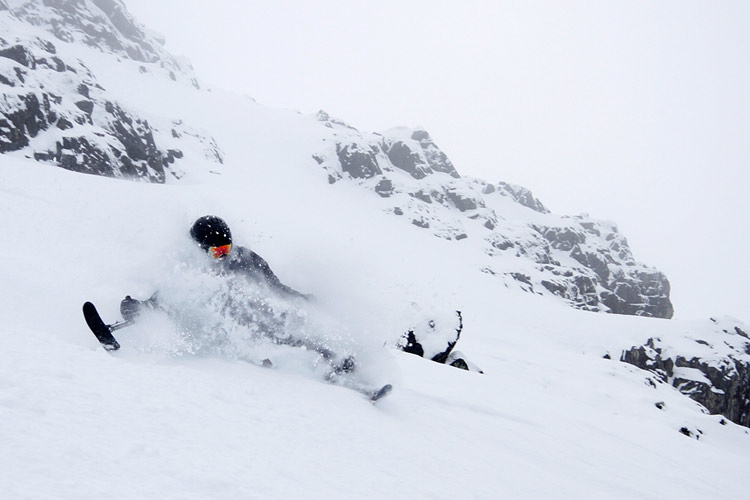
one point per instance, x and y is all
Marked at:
(213, 235)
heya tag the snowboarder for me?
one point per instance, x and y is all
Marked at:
(214, 237)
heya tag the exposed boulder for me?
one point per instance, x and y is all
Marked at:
(421, 195)
(407, 159)
(384, 188)
(421, 222)
(359, 161)
(23, 116)
(20, 54)
(462, 202)
(563, 238)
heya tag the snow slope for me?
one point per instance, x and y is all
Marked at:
(549, 418)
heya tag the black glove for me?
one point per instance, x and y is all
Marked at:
(131, 308)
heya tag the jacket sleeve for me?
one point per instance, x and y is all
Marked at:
(262, 266)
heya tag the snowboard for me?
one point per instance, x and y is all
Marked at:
(382, 392)
(102, 331)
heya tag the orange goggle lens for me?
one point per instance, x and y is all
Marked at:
(219, 252)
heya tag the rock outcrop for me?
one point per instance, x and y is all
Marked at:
(434, 337)
(583, 261)
(103, 25)
(712, 367)
(54, 110)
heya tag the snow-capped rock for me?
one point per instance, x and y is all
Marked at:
(414, 152)
(434, 336)
(104, 25)
(711, 365)
(586, 262)
(53, 108)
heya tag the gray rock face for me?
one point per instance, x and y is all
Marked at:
(408, 160)
(717, 375)
(416, 153)
(437, 160)
(640, 294)
(521, 195)
(23, 119)
(358, 161)
(20, 54)
(583, 261)
(125, 146)
(332, 122)
(463, 202)
(139, 157)
(624, 287)
(43, 94)
(102, 24)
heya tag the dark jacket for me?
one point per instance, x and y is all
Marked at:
(242, 261)
(245, 261)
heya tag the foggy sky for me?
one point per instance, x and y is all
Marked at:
(632, 111)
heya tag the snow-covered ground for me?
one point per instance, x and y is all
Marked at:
(549, 418)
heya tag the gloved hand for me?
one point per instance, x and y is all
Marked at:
(130, 308)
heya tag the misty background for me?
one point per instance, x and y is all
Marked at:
(636, 112)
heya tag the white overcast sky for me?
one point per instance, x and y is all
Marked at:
(633, 111)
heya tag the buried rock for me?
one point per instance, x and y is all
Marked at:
(434, 338)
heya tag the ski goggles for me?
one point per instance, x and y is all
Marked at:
(220, 251)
